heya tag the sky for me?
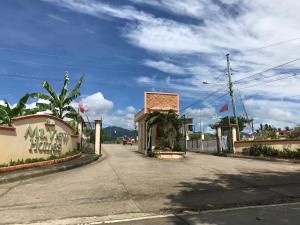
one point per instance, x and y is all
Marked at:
(127, 47)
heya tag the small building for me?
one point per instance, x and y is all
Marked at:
(153, 101)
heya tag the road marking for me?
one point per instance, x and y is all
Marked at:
(133, 219)
(190, 213)
(239, 208)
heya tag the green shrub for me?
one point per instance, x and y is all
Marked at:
(268, 151)
(178, 147)
(255, 150)
(246, 151)
(33, 160)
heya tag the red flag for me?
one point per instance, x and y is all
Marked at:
(224, 108)
(81, 107)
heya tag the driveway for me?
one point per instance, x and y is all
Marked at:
(127, 182)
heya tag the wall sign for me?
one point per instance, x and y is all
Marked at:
(46, 139)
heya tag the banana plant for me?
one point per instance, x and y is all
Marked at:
(7, 112)
(59, 105)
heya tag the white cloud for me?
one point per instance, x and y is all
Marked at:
(58, 18)
(198, 48)
(122, 118)
(164, 66)
(100, 9)
(97, 105)
(205, 115)
(275, 112)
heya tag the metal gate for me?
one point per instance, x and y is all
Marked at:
(88, 137)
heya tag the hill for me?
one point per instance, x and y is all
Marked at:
(114, 132)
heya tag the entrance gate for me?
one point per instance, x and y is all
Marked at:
(88, 137)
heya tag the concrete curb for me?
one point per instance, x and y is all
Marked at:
(264, 158)
(35, 164)
(295, 161)
(24, 174)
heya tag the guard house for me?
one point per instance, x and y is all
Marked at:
(153, 101)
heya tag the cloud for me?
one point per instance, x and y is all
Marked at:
(277, 112)
(164, 66)
(100, 9)
(97, 105)
(57, 18)
(206, 115)
(122, 117)
(195, 48)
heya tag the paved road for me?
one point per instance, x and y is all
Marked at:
(127, 183)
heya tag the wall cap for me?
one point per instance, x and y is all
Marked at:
(7, 128)
(272, 140)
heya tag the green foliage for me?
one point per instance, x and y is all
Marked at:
(268, 151)
(265, 132)
(59, 105)
(207, 137)
(225, 122)
(105, 136)
(33, 160)
(7, 113)
(170, 123)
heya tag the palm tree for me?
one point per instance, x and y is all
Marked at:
(7, 112)
(170, 124)
(59, 105)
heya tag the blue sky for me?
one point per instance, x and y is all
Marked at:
(127, 47)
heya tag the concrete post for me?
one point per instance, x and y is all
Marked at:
(233, 137)
(79, 131)
(98, 137)
(219, 137)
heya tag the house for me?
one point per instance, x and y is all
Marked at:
(153, 101)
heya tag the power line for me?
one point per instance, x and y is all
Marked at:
(282, 78)
(266, 70)
(271, 45)
(205, 98)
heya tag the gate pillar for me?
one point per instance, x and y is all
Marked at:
(233, 136)
(98, 137)
(219, 137)
(79, 131)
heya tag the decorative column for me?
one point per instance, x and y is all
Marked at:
(233, 136)
(219, 137)
(98, 137)
(79, 131)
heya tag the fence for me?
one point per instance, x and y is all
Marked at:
(203, 146)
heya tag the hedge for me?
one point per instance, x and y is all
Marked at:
(268, 151)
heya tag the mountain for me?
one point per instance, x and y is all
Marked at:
(114, 132)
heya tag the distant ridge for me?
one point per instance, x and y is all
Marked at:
(113, 132)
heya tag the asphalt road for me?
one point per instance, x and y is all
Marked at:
(127, 183)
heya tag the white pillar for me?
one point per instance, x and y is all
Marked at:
(234, 137)
(98, 137)
(219, 141)
(79, 131)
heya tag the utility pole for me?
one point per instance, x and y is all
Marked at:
(232, 97)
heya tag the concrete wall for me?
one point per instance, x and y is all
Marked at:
(35, 136)
(279, 144)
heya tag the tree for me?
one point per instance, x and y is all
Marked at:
(225, 122)
(59, 105)
(7, 112)
(170, 123)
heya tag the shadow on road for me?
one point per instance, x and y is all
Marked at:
(229, 190)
